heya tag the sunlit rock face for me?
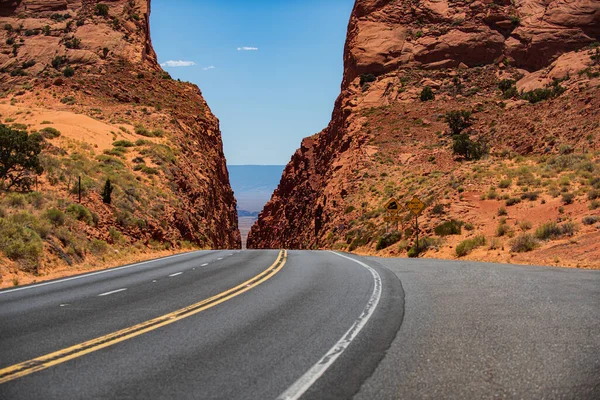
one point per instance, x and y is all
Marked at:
(405, 45)
(116, 74)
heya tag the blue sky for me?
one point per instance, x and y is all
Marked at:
(272, 95)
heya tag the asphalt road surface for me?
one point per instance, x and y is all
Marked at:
(304, 324)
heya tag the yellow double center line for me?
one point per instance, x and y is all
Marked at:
(61, 356)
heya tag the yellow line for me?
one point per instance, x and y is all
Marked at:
(78, 350)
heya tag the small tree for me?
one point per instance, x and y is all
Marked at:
(68, 72)
(107, 192)
(102, 10)
(19, 157)
(458, 121)
(469, 149)
(105, 52)
(427, 94)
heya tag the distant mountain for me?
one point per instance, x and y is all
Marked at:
(253, 186)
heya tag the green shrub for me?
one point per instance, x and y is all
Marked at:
(69, 100)
(469, 226)
(80, 213)
(471, 150)
(525, 225)
(56, 216)
(427, 94)
(468, 245)
(458, 120)
(512, 201)
(68, 72)
(537, 95)
(503, 230)
(59, 61)
(19, 152)
(531, 196)
(424, 244)
(98, 247)
(447, 228)
(141, 130)
(591, 219)
(348, 209)
(387, 240)
(115, 236)
(523, 243)
(15, 200)
(50, 133)
(552, 230)
(102, 10)
(123, 143)
(568, 198)
(20, 244)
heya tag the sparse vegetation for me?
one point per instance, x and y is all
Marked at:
(552, 230)
(388, 239)
(447, 228)
(523, 243)
(467, 246)
(50, 133)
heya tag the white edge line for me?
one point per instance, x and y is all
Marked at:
(316, 371)
(112, 292)
(175, 274)
(91, 274)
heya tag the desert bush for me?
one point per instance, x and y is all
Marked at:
(388, 239)
(458, 121)
(591, 219)
(447, 228)
(123, 143)
(537, 95)
(68, 72)
(531, 196)
(425, 244)
(471, 150)
(525, 225)
(50, 133)
(467, 246)
(427, 94)
(59, 61)
(56, 216)
(502, 212)
(348, 209)
(568, 198)
(80, 213)
(503, 229)
(98, 247)
(69, 100)
(15, 200)
(512, 201)
(20, 244)
(523, 243)
(552, 230)
(102, 10)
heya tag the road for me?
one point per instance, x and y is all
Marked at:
(310, 324)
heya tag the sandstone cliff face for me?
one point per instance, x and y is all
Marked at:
(118, 83)
(383, 141)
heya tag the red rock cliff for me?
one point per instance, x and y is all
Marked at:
(450, 46)
(118, 81)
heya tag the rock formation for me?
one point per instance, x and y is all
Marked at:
(95, 59)
(383, 140)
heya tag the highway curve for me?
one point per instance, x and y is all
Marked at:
(312, 324)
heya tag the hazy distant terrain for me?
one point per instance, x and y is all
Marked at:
(253, 186)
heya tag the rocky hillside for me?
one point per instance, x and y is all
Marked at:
(83, 73)
(521, 78)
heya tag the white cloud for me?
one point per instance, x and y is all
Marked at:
(207, 68)
(179, 63)
(245, 48)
